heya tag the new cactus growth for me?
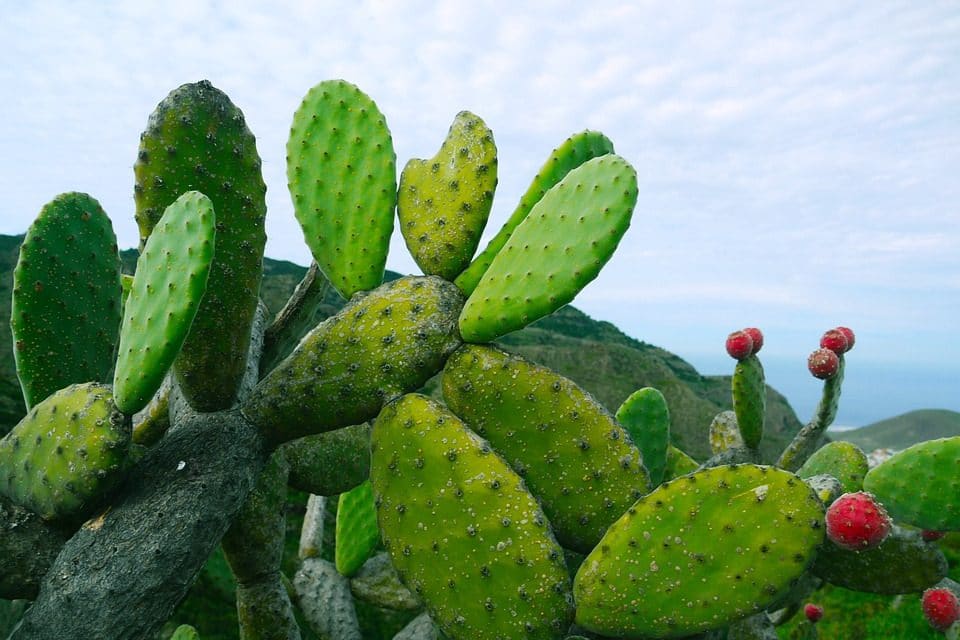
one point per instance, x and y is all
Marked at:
(646, 418)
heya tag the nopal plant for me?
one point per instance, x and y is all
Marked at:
(168, 414)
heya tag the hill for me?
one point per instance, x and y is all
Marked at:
(904, 430)
(595, 354)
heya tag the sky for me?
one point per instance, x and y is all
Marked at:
(798, 164)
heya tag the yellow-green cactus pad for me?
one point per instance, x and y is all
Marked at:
(381, 345)
(577, 460)
(185, 632)
(198, 140)
(646, 417)
(444, 202)
(357, 532)
(920, 486)
(556, 251)
(462, 530)
(574, 151)
(700, 552)
(169, 284)
(842, 460)
(66, 454)
(65, 313)
(342, 176)
(678, 464)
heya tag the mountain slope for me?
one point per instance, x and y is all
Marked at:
(904, 430)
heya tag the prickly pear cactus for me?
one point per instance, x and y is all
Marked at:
(646, 417)
(842, 460)
(65, 313)
(357, 533)
(749, 399)
(461, 529)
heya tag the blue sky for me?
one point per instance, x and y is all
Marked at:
(798, 166)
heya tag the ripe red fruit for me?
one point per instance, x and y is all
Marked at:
(931, 536)
(848, 334)
(823, 364)
(813, 612)
(739, 345)
(940, 607)
(757, 336)
(835, 340)
(856, 521)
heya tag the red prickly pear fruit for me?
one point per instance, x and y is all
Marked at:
(823, 364)
(848, 334)
(836, 341)
(940, 607)
(757, 336)
(856, 521)
(813, 612)
(739, 345)
(931, 536)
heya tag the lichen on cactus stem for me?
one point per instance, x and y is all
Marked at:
(197, 139)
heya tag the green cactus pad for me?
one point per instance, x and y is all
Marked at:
(167, 289)
(66, 454)
(842, 460)
(646, 417)
(462, 531)
(678, 464)
(700, 552)
(185, 632)
(444, 202)
(65, 313)
(342, 175)
(378, 347)
(902, 563)
(920, 486)
(805, 442)
(357, 532)
(749, 399)
(572, 454)
(724, 433)
(556, 251)
(198, 140)
(574, 151)
(330, 463)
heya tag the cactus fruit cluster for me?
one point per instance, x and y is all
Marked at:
(515, 506)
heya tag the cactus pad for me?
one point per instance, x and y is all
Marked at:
(378, 347)
(357, 533)
(724, 433)
(65, 313)
(198, 140)
(66, 454)
(574, 151)
(444, 202)
(920, 485)
(646, 417)
(556, 251)
(462, 531)
(342, 175)
(842, 460)
(749, 399)
(570, 451)
(678, 464)
(167, 289)
(700, 552)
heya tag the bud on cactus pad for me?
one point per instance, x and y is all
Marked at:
(813, 612)
(836, 341)
(823, 364)
(940, 607)
(757, 336)
(931, 536)
(856, 521)
(739, 345)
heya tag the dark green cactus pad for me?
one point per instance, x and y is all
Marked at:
(378, 347)
(556, 251)
(66, 454)
(569, 450)
(342, 176)
(920, 486)
(330, 463)
(678, 464)
(198, 140)
(65, 313)
(444, 202)
(167, 289)
(700, 552)
(463, 532)
(357, 532)
(724, 433)
(842, 460)
(646, 417)
(902, 563)
(574, 151)
(749, 399)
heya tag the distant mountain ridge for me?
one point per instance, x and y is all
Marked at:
(904, 430)
(595, 354)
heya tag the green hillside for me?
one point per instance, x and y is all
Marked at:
(904, 430)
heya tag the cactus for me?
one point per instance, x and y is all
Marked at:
(843, 460)
(357, 533)
(646, 418)
(749, 399)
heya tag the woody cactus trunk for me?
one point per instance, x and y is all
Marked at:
(516, 508)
